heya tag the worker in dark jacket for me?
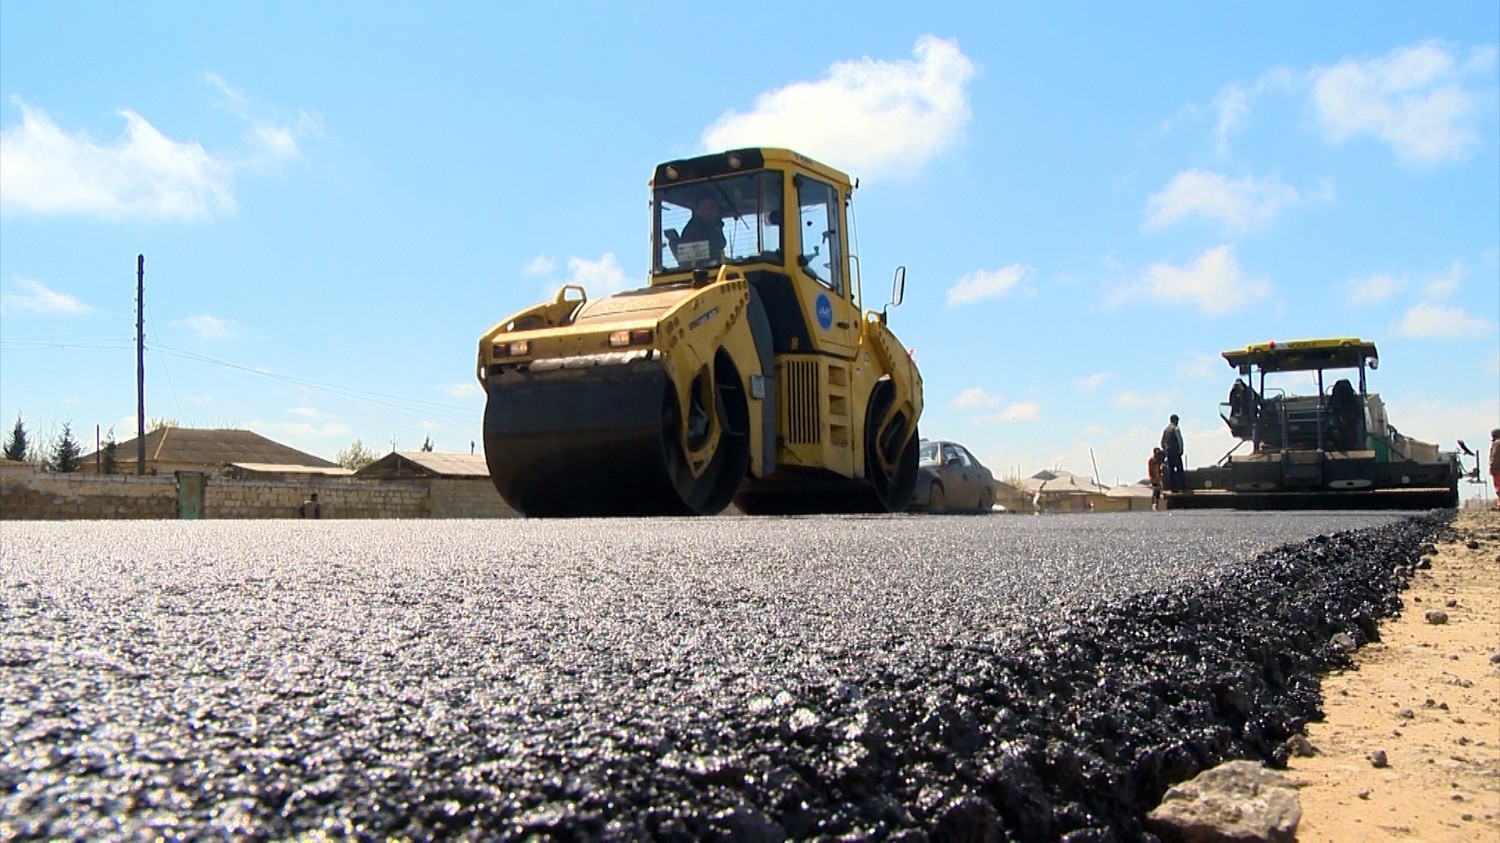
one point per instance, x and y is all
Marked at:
(1171, 445)
(310, 508)
(702, 239)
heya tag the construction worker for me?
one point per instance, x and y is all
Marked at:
(1495, 464)
(1171, 445)
(1153, 474)
(310, 508)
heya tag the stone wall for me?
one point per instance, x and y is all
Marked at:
(468, 498)
(27, 494)
(32, 495)
(339, 498)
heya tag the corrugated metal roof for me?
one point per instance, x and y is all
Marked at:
(214, 447)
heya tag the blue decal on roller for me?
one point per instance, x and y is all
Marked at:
(824, 309)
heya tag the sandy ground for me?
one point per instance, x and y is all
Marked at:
(1428, 696)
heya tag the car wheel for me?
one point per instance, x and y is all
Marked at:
(986, 500)
(936, 500)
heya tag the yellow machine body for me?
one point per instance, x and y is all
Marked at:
(746, 369)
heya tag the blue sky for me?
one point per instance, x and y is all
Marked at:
(336, 200)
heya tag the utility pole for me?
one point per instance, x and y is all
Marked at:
(140, 364)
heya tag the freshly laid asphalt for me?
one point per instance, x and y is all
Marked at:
(750, 678)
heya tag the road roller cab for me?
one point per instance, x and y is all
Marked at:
(745, 370)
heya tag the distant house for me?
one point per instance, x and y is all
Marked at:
(459, 484)
(212, 451)
(1133, 496)
(1063, 491)
(1010, 498)
(410, 465)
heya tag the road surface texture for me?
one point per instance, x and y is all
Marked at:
(902, 678)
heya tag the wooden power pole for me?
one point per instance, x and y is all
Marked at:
(140, 364)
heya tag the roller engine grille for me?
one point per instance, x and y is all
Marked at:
(800, 380)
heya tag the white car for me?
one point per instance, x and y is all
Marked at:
(950, 479)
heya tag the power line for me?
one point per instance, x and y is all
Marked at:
(411, 405)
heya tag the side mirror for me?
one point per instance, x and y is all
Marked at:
(898, 292)
(898, 287)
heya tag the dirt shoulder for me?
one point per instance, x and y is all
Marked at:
(1428, 697)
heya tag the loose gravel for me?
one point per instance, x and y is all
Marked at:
(763, 679)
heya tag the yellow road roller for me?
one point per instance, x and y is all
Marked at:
(745, 371)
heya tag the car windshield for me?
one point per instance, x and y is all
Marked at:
(930, 455)
(732, 219)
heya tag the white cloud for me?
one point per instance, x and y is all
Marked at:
(1413, 98)
(1092, 381)
(306, 412)
(1200, 367)
(1430, 320)
(879, 117)
(461, 389)
(1431, 317)
(1232, 103)
(1138, 400)
(1443, 421)
(1238, 204)
(301, 428)
(208, 327)
(975, 398)
(143, 173)
(985, 284)
(267, 139)
(1214, 283)
(1439, 287)
(598, 278)
(1022, 411)
(539, 265)
(1376, 289)
(39, 298)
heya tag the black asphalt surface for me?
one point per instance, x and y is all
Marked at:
(749, 678)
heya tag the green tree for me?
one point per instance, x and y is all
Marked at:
(15, 444)
(110, 463)
(427, 444)
(65, 452)
(355, 457)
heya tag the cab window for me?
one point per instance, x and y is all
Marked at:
(822, 240)
(731, 219)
